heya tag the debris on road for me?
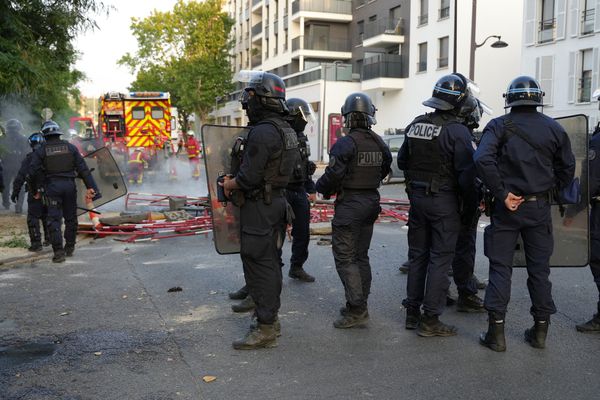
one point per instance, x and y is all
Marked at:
(175, 289)
(209, 378)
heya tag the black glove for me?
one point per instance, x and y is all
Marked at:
(14, 197)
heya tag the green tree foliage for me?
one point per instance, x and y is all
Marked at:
(186, 52)
(37, 53)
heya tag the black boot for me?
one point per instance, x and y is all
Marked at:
(413, 316)
(536, 335)
(258, 337)
(593, 325)
(59, 256)
(469, 303)
(297, 272)
(276, 325)
(430, 325)
(240, 294)
(404, 267)
(353, 317)
(35, 247)
(346, 310)
(69, 249)
(244, 306)
(494, 337)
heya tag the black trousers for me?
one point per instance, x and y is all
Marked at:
(595, 245)
(62, 204)
(262, 234)
(36, 213)
(298, 200)
(463, 264)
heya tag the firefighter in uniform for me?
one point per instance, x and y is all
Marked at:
(522, 156)
(36, 209)
(136, 165)
(60, 163)
(437, 159)
(193, 152)
(15, 146)
(270, 153)
(357, 164)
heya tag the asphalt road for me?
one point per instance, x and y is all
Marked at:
(104, 326)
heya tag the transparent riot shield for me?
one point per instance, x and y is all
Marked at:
(217, 142)
(108, 178)
(571, 230)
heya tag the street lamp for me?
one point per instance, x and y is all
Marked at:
(321, 138)
(498, 44)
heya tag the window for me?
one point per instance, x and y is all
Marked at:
(361, 30)
(587, 17)
(285, 40)
(373, 18)
(443, 59)
(395, 13)
(444, 9)
(138, 113)
(320, 37)
(422, 64)
(545, 75)
(547, 23)
(585, 77)
(424, 16)
(157, 113)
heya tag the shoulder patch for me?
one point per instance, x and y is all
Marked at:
(424, 131)
(592, 154)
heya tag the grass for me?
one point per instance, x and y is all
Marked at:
(15, 242)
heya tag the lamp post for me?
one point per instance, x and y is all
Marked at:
(321, 138)
(498, 44)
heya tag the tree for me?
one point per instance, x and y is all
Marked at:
(37, 53)
(186, 52)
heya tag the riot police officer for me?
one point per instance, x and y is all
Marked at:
(300, 189)
(36, 210)
(60, 163)
(357, 164)
(15, 146)
(593, 325)
(270, 153)
(521, 157)
(437, 159)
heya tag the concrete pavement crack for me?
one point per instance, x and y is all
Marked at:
(164, 324)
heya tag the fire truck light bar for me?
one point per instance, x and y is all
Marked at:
(148, 94)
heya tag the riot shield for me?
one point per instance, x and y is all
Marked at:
(217, 142)
(571, 230)
(108, 178)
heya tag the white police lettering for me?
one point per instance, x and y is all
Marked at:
(57, 149)
(370, 158)
(424, 131)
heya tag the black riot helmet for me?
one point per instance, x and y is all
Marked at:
(448, 93)
(268, 90)
(523, 91)
(13, 126)
(301, 113)
(358, 111)
(35, 139)
(50, 128)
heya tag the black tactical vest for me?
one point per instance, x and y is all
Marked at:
(59, 158)
(365, 170)
(300, 173)
(281, 164)
(425, 161)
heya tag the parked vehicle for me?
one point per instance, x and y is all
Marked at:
(394, 142)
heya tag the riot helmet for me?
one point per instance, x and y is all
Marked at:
(50, 128)
(523, 91)
(264, 92)
(358, 111)
(301, 113)
(450, 91)
(35, 139)
(13, 126)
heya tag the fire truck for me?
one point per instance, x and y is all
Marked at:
(133, 120)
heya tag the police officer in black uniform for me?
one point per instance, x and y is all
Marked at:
(60, 163)
(270, 153)
(15, 147)
(300, 190)
(593, 325)
(437, 161)
(36, 210)
(357, 164)
(521, 157)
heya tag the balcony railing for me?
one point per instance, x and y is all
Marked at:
(382, 66)
(388, 26)
(305, 77)
(546, 30)
(423, 19)
(325, 6)
(256, 60)
(587, 21)
(444, 13)
(257, 29)
(421, 66)
(584, 94)
(323, 44)
(442, 62)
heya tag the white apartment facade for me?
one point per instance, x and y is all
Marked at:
(394, 50)
(562, 50)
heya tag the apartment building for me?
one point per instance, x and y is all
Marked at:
(394, 50)
(562, 50)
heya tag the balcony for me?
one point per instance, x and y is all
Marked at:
(383, 72)
(322, 10)
(442, 62)
(257, 31)
(325, 48)
(421, 66)
(256, 60)
(547, 30)
(257, 6)
(330, 72)
(276, 27)
(383, 33)
(587, 21)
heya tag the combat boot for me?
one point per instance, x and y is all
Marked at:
(494, 337)
(69, 249)
(404, 267)
(245, 305)
(413, 316)
(592, 326)
(352, 318)
(59, 256)
(536, 335)
(258, 337)
(469, 303)
(276, 325)
(430, 325)
(240, 294)
(35, 247)
(346, 310)
(297, 272)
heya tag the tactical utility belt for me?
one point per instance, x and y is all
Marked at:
(535, 197)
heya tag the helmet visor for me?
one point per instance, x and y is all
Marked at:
(250, 77)
(308, 114)
(485, 108)
(473, 88)
(596, 94)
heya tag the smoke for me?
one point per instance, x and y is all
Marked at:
(11, 108)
